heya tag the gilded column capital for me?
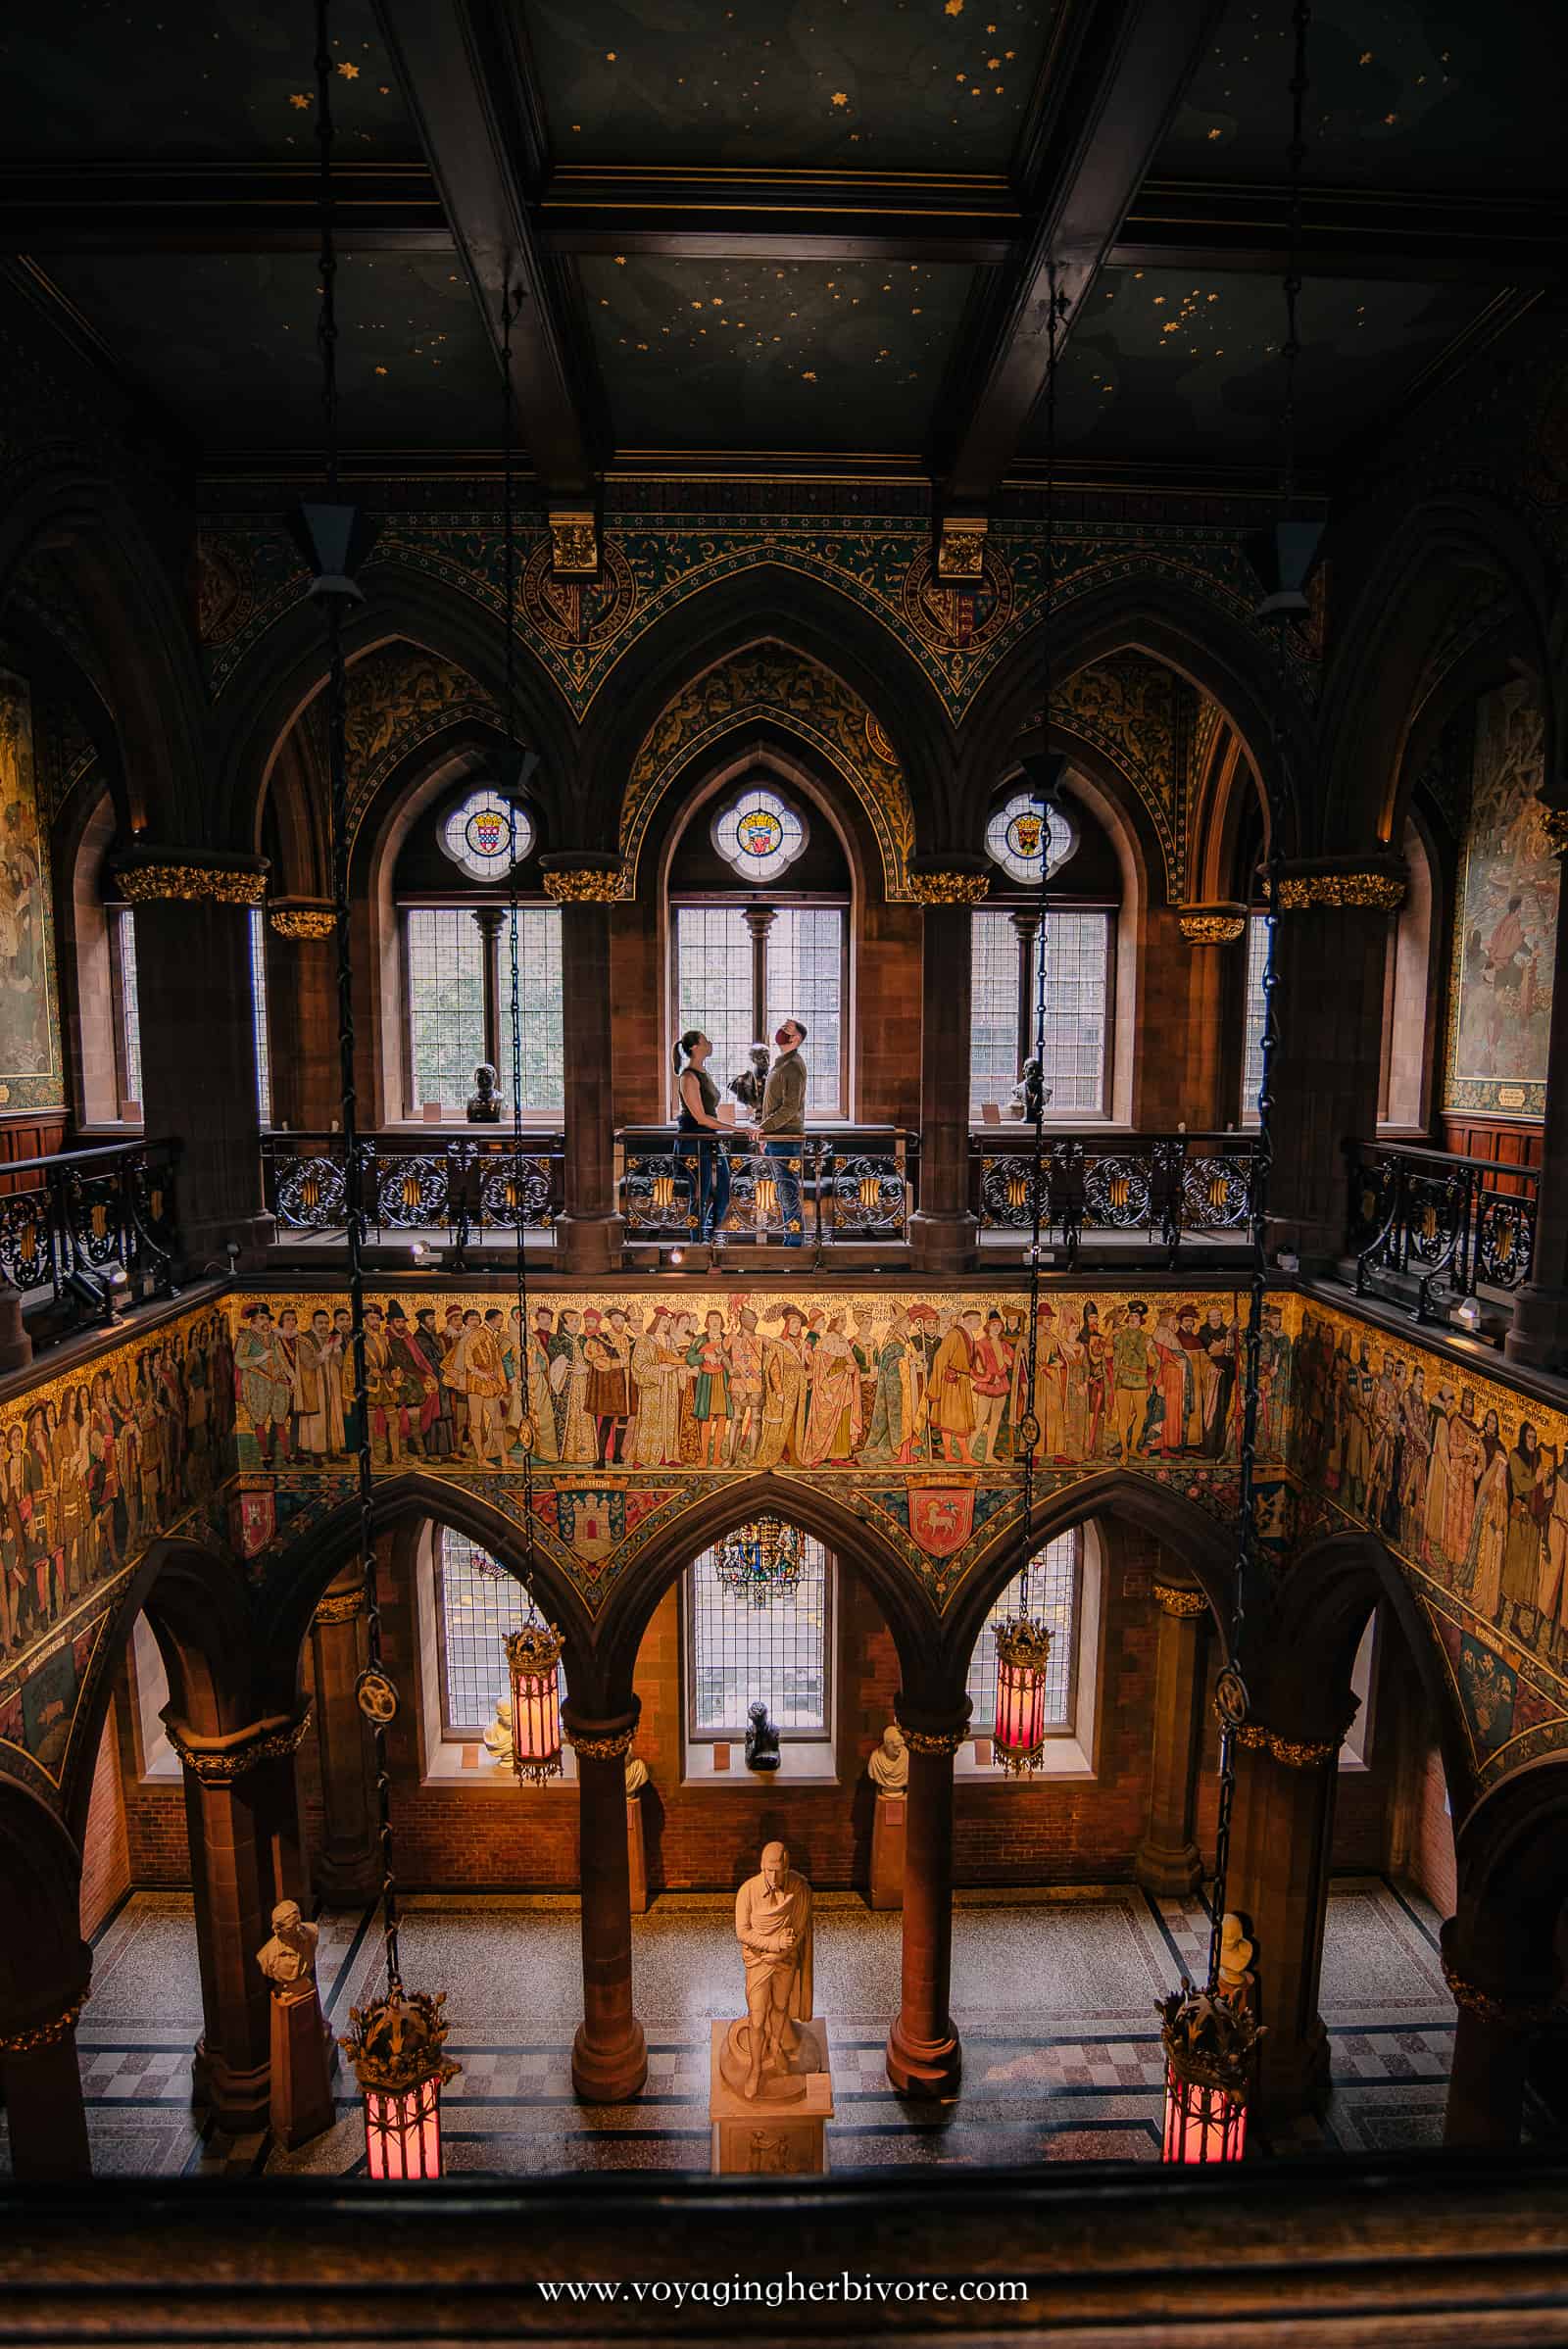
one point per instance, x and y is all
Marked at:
(933, 1733)
(584, 877)
(949, 880)
(339, 1606)
(1375, 883)
(47, 2033)
(1524, 2015)
(1172, 1599)
(1219, 924)
(150, 874)
(220, 1761)
(301, 918)
(608, 1741)
(1295, 1754)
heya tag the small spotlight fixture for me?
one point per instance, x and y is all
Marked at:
(418, 1252)
(99, 1293)
(677, 1255)
(1468, 1316)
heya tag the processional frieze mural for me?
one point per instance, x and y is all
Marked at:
(580, 629)
(616, 1411)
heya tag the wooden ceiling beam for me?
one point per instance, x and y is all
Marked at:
(216, 207)
(1123, 68)
(727, 213)
(462, 67)
(1346, 233)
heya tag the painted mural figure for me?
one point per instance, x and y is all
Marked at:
(744, 1386)
(261, 1384)
(1521, 1557)
(991, 1376)
(708, 1356)
(475, 1370)
(1051, 1385)
(785, 1394)
(607, 1349)
(1467, 1457)
(1135, 1367)
(833, 1424)
(1489, 1532)
(898, 1391)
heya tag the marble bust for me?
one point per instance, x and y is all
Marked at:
(636, 1774)
(889, 1767)
(761, 1739)
(484, 1103)
(289, 1959)
(773, 1926)
(498, 1737)
(1235, 1957)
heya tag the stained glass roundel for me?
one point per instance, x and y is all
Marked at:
(758, 834)
(487, 835)
(1023, 831)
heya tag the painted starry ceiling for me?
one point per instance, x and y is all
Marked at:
(712, 345)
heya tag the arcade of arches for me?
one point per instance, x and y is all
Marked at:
(787, 716)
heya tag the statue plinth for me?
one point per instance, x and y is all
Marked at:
(302, 2104)
(636, 1855)
(888, 1818)
(782, 2130)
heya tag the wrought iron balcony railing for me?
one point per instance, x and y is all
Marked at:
(459, 1184)
(1165, 1188)
(98, 1212)
(1429, 1228)
(851, 1187)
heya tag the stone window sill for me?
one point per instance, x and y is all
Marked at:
(804, 1762)
(1065, 1757)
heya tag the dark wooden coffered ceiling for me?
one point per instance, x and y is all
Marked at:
(815, 236)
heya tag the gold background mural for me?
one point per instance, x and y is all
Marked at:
(31, 1074)
(1505, 934)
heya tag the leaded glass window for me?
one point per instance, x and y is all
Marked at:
(738, 988)
(779, 1649)
(1049, 1589)
(477, 1604)
(1252, 1030)
(264, 1056)
(758, 834)
(1024, 832)
(487, 835)
(128, 1035)
(804, 975)
(446, 946)
(714, 984)
(1006, 980)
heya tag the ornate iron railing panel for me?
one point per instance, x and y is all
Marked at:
(825, 1191)
(459, 1184)
(99, 1211)
(1429, 1228)
(1164, 1187)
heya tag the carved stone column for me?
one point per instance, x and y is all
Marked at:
(1168, 1862)
(1538, 1334)
(609, 2055)
(924, 2057)
(42, 2081)
(943, 1233)
(348, 1866)
(1281, 1832)
(302, 1014)
(1504, 2010)
(198, 1039)
(586, 886)
(242, 1816)
(1330, 961)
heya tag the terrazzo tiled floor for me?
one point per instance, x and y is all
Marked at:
(1054, 1998)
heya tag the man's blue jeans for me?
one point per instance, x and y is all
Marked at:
(789, 1188)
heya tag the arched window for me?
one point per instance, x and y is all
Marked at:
(774, 1644)
(1252, 1018)
(744, 959)
(468, 1604)
(453, 887)
(126, 1005)
(1061, 1588)
(263, 1056)
(1404, 1092)
(1079, 953)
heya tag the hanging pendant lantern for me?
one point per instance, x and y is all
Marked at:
(396, 2047)
(1211, 2046)
(533, 1659)
(760, 1557)
(1023, 1650)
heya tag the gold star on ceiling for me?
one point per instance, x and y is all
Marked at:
(298, 100)
(350, 72)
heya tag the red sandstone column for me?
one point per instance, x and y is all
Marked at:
(243, 1820)
(348, 1866)
(942, 1232)
(586, 886)
(1539, 1334)
(1167, 1861)
(42, 2081)
(1281, 1832)
(609, 2055)
(302, 1016)
(1502, 2014)
(924, 2057)
(198, 1040)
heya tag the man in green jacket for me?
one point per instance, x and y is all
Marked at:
(781, 1125)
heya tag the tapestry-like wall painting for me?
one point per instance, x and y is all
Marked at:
(1505, 943)
(31, 1071)
(95, 1465)
(1467, 1485)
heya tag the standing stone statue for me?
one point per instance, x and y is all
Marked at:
(889, 1767)
(773, 1926)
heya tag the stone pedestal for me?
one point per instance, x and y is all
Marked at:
(636, 1855)
(301, 2105)
(771, 2135)
(887, 1851)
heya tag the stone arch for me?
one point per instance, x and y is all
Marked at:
(284, 670)
(44, 1964)
(300, 1576)
(1195, 1542)
(771, 603)
(767, 687)
(1373, 692)
(1207, 642)
(1513, 1852)
(1304, 1671)
(856, 1544)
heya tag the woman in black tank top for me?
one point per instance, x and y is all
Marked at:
(706, 1156)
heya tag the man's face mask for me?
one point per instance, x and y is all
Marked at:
(784, 1038)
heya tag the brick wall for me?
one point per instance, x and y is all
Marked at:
(1432, 1860)
(156, 1840)
(105, 1851)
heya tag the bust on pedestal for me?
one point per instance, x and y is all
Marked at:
(771, 2092)
(889, 1772)
(636, 1846)
(301, 2105)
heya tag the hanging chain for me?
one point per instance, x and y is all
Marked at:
(1037, 1170)
(353, 1159)
(1263, 1147)
(508, 313)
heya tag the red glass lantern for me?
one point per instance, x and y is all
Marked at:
(395, 2046)
(1023, 1650)
(1210, 2046)
(533, 1659)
